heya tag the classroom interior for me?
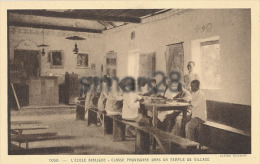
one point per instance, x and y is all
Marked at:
(51, 51)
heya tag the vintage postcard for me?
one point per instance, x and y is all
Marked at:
(130, 82)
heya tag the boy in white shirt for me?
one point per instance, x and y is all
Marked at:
(131, 102)
(199, 113)
(114, 99)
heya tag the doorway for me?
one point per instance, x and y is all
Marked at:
(28, 62)
(25, 65)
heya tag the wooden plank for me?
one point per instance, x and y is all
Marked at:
(161, 134)
(34, 135)
(28, 127)
(166, 105)
(40, 138)
(25, 122)
(227, 128)
(16, 99)
(42, 151)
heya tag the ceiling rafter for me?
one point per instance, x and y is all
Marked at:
(55, 27)
(78, 14)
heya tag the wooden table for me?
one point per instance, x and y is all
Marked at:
(168, 106)
(21, 127)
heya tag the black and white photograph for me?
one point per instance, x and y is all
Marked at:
(130, 81)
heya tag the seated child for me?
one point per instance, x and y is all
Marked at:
(131, 102)
(142, 86)
(168, 118)
(153, 88)
(199, 112)
(114, 99)
(103, 95)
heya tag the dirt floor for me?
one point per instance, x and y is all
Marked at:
(88, 139)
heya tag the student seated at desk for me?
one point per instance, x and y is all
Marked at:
(103, 95)
(199, 113)
(167, 92)
(131, 107)
(142, 86)
(131, 102)
(153, 88)
(183, 95)
(93, 93)
(114, 101)
(168, 118)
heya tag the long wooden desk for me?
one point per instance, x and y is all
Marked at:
(168, 106)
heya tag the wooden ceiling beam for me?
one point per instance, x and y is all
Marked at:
(54, 27)
(78, 15)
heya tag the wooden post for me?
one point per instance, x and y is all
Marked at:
(142, 142)
(80, 113)
(155, 120)
(15, 96)
(27, 145)
(184, 121)
(108, 125)
(118, 130)
(92, 117)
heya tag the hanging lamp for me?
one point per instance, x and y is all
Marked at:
(43, 45)
(75, 38)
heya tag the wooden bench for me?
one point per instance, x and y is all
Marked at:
(230, 140)
(15, 137)
(28, 127)
(25, 122)
(228, 128)
(93, 115)
(15, 150)
(116, 125)
(18, 129)
(176, 144)
(26, 138)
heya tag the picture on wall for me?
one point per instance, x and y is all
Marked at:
(56, 59)
(82, 60)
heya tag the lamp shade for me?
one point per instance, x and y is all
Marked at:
(43, 45)
(75, 38)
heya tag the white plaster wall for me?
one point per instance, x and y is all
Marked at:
(56, 41)
(232, 26)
